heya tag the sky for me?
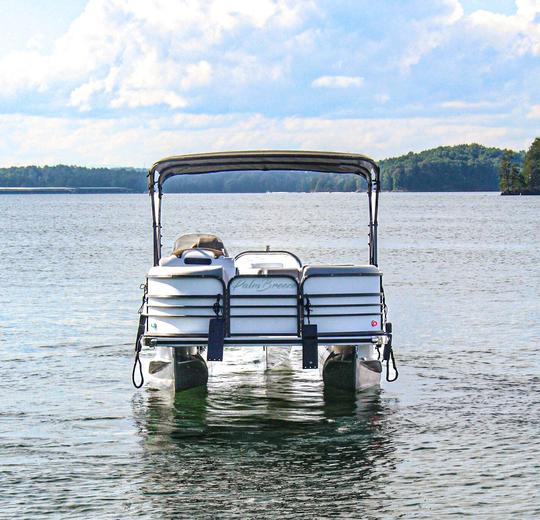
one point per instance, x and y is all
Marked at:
(125, 82)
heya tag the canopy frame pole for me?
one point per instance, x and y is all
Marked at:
(155, 192)
(373, 194)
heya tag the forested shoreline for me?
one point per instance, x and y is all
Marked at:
(470, 167)
(524, 178)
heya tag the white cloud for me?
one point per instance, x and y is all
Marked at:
(244, 68)
(534, 112)
(124, 53)
(81, 96)
(430, 33)
(465, 105)
(337, 82)
(133, 66)
(114, 142)
(516, 34)
(134, 98)
(382, 98)
(197, 74)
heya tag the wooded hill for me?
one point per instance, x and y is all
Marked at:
(446, 168)
(469, 167)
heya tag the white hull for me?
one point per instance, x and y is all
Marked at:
(346, 367)
(177, 369)
(350, 367)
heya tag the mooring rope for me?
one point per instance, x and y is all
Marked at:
(388, 355)
(138, 346)
(141, 376)
(394, 366)
(307, 308)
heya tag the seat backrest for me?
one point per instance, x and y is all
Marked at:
(263, 305)
(250, 262)
(181, 300)
(342, 299)
(199, 257)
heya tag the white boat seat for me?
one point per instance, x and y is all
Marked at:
(161, 271)
(183, 299)
(250, 262)
(198, 257)
(295, 273)
(265, 305)
(201, 257)
(321, 269)
(342, 299)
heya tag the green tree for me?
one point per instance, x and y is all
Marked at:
(469, 167)
(517, 181)
(531, 166)
(447, 168)
(505, 178)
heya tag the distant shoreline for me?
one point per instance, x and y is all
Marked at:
(44, 190)
(470, 167)
(123, 191)
(519, 193)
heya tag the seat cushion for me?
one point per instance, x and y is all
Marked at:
(223, 262)
(321, 269)
(195, 270)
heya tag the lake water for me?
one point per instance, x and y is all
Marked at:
(457, 434)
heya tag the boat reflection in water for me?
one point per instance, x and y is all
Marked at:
(264, 443)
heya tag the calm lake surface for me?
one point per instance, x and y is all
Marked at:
(457, 435)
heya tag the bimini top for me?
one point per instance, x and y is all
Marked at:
(331, 162)
(285, 160)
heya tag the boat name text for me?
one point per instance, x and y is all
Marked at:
(263, 285)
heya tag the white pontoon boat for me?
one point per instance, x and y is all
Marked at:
(199, 300)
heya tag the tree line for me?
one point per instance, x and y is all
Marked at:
(470, 167)
(72, 177)
(521, 177)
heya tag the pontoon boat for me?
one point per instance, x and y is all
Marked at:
(198, 300)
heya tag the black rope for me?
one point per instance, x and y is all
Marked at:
(387, 351)
(217, 306)
(137, 362)
(394, 366)
(138, 346)
(384, 306)
(307, 307)
(388, 355)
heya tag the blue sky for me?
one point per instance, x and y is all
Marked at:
(123, 82)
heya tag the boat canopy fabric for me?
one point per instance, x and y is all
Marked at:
(330, 162)
(199, 240)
